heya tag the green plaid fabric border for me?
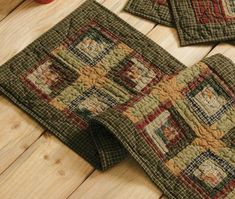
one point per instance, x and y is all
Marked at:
(204, 21)
(185, 154)
(90, 61)
(155, 10)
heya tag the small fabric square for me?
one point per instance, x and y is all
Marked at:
(92, 45)
(166, 131)
(136, 73)
(229, 138)
(92, 102)
(211, 175)
(209, 100)
(49, 78)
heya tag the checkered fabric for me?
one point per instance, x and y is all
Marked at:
(181, 130)
(87, 63)
(201, 21)
(154, 10)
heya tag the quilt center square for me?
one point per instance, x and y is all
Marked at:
(166, 131)
(211, 175)
(209, 100)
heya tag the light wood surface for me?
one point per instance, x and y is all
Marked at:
(36, 165)
(6, 7)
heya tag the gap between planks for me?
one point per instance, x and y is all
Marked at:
(7, 8)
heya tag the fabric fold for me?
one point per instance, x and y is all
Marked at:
(181, 131)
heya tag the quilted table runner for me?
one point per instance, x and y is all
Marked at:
(181, 130)
(105, 90)
(90, 61)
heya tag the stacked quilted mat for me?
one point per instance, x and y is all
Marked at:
(196, 21)
(106, 90)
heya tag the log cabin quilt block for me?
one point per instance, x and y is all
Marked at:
(181, 130)
(89, 62)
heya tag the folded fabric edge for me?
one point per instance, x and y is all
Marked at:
(223, 67)
(129, 8)
(117, 124)
(110, 150)
(122, 128)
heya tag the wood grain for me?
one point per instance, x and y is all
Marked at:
(6, 7)
(167, 38)
(47, 169)
(226, 49)
(126, 180)
(17, 133)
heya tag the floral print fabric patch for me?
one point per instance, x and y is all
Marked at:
(181, 130)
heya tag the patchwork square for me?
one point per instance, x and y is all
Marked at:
(92, 102)
(135, 73)
(211, 175)
(92, 45)
(201, 21)
(166, 131)
(50, 77)
(209, 100)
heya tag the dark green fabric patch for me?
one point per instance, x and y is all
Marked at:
(89, 62)
(204, 21)
(155, 10)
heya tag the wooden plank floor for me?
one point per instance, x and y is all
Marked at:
(35, 165)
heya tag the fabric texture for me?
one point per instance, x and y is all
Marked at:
(182, 129)
(204, 21)
(155, 10)
(90, 61)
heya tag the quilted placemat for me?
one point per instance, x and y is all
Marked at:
(90, 61)
(200, 21)
(155, 10)
(182, 130)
